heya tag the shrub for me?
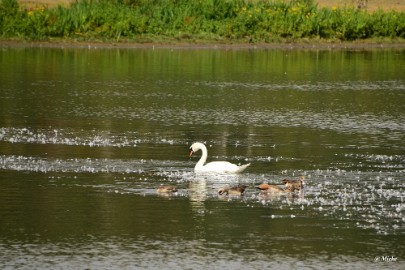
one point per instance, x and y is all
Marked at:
(260, 20)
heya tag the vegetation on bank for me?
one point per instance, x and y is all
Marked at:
(191, 20)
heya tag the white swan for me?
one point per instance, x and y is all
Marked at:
(216, 166)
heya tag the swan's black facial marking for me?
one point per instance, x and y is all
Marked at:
(191, 152)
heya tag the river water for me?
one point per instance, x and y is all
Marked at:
(87, 135)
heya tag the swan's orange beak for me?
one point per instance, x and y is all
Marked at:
(191, 152)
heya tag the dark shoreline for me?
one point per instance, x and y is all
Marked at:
(317, 45)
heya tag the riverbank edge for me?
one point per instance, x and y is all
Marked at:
(307, 45)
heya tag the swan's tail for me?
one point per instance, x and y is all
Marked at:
(242, 168)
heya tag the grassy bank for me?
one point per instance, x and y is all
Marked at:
(197, 20)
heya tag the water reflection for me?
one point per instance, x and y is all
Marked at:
(118, 253)
(198, 193)
(86, 137)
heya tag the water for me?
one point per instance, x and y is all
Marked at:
(87, 135)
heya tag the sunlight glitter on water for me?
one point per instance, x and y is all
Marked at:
(118, 253)
(372, 200)
(83, 152)
(66, 137)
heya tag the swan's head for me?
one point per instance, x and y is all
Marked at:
(194, 148)
(191, 151)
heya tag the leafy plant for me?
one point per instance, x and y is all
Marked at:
(244, 20)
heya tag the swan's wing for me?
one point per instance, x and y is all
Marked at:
(219, 166)
(223, 167)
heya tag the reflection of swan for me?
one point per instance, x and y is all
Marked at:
(216, 166)
(198, 194)
(198, 190)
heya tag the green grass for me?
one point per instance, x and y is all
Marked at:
(191, 20)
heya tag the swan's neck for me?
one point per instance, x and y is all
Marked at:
(203, 158)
